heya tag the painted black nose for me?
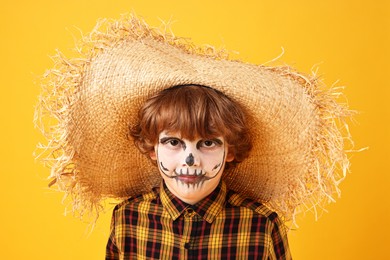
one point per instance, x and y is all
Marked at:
(190, 160)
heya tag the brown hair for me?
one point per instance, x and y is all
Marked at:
(193, 111)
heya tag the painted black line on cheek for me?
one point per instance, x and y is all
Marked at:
(216, 166)
(220, 169)
(160, 165)
(163, 168)
(209, 178)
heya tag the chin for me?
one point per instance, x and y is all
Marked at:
(191, 193)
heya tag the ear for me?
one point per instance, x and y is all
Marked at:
(153, 155)
(229, 157)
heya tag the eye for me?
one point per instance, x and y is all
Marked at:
(174, 142)
(209, 143)
(171, 142)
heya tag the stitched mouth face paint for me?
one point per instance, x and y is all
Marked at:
(191, 169)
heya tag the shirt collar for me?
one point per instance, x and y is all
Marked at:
(208, 208)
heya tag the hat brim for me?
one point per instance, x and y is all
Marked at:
(298, 154)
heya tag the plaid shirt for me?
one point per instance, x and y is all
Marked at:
(157, 225)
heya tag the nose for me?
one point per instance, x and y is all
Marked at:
(190, 160)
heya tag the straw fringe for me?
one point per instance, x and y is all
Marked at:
(317, 188)
(332, 164)
(321, 184)
(63, 81)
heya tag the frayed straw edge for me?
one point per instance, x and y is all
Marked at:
(64, 79)
(62, 82)
(331, 165)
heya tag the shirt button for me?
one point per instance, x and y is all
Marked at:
(190, 211)
(187, 245)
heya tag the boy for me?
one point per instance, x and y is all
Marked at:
(191, 132)
(212, 141)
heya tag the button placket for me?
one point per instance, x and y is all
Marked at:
(189, 213)
(188, 226)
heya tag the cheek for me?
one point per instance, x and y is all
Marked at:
(212, 159)
(168, 157)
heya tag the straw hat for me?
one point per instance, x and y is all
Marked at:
(298, 155)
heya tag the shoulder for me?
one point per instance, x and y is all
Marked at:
(261, 218)
(138, 201)
(236, 200)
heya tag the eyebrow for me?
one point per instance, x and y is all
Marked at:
(217, 140)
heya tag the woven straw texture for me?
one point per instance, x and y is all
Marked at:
(88, 104)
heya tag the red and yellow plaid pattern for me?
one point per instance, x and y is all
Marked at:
(157, 225)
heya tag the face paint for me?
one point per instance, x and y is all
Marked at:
(190, 160)
(191, 169)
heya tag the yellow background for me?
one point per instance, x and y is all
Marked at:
(349, 38)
